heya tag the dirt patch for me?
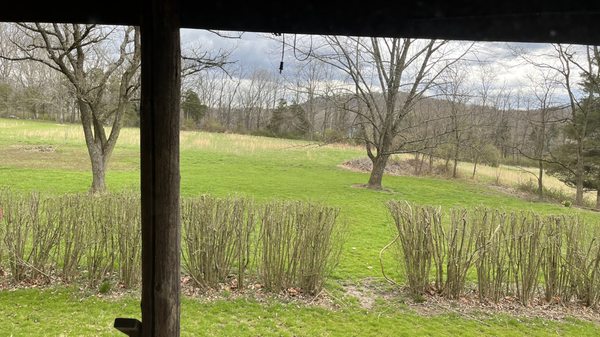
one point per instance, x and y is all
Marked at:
(515, 192)
(35, 148)
(365, 186)
(60, 157)
(225, 291)
(256, 291)
(369, 291)
(42, 156)
(470, 306)
(532, 197)
(365, 296)
(394, 167)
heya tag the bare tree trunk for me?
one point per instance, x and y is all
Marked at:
(431, 163)
(579, 190)
(379, 163)
(311, 115)
(247, 119)
(598, 199)
(326, 116)
(421, 163)
(475, 166)
(258, 118)
(417, 163)
(98, 158)
(455, 166)
(579, 172)
(456, 147)
(98, 172)
(541, 180)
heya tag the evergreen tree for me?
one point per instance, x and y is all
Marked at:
(192, 107)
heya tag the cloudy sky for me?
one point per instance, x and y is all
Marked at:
(263, 51)
(251, 51)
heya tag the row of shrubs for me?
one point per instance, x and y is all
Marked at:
(285, 244)
(523, 255)
(89, 239)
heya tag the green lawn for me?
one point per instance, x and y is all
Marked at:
(63, 312)
(265, 169)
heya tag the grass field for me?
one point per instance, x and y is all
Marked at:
(51, 158)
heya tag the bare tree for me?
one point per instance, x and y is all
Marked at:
(542, 119)
(196, 60)
(255, 98)
(82, 54)
(306, 85)
(228, 93)
(453, 89)
(479, 117)
(390, 75)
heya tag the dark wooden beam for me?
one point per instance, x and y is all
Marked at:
(572, 21)
(160, 179)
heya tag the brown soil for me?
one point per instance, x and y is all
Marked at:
(35, 148)
(256, 291)
(366, 292)
(515, 192)
(395, 167)
(468, 305)
(365, 186)
(366, 297)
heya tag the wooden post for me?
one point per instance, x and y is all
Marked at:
(159, 128)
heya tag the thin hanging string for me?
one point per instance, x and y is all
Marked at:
(282, 52)
(308, 55)
(309, 49)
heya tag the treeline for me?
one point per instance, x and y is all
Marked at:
(262, 102)
(32, 91)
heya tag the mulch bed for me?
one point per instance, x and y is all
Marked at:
(469, 305)
(394, 167)
(366, 292)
